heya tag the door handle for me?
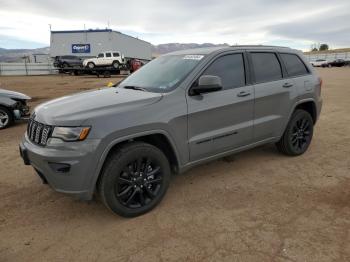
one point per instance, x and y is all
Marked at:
(243, 94)
(287, 85)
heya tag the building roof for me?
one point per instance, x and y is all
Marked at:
(82, 31)
(107, 30)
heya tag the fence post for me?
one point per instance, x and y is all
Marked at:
(25, 66)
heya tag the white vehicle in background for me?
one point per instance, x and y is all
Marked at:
(320, 63)
(109, 58)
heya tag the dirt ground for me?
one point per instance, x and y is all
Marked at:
(254, 206)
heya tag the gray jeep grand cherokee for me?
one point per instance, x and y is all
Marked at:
(179, 110)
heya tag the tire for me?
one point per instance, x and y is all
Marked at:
(91, 65)
(134, 179)
(115, 64)
(6, 117)
(298, 134)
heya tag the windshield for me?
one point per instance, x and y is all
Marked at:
(162, 74)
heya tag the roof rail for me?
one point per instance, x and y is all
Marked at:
(274, 46)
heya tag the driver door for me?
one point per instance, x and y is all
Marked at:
(222, 120)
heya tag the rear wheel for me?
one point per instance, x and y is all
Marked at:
(91, 65)
(134, 179)
(6, 117)
(298, 134)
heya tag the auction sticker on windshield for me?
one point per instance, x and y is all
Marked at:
(193, 57)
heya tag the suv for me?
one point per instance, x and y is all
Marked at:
(110, 58)
(66, 61)
(179, 110)
(321, 63)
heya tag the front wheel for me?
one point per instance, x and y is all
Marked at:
(6, 117)
(298, 134)
(134, 179)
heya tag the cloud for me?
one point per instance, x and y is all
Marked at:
(159, 21)
(335, 29)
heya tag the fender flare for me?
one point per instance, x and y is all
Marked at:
(299, 102)
(118, 140)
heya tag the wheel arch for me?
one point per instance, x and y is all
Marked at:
(158, 138)
(309, 106)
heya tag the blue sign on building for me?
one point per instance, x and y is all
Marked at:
(81, 48)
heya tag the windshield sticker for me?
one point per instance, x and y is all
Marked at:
(193, 57)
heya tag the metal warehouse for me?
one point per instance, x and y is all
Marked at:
(90, 42)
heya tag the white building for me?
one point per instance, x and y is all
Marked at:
(90, 42)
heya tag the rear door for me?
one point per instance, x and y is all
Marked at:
(108, 59)
(274, 95)
(222, 120)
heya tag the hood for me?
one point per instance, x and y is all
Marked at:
(13, 94)
(75, 109)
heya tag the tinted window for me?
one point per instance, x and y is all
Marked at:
(164, 73)
(115, 54)
(101, 55)
(230, 68)
(266, 67)
(108, 55)
(294, 65)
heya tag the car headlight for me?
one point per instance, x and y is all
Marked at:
(71, 133)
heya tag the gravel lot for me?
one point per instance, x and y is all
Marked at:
(254, 206)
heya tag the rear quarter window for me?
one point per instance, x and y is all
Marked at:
(294, 65)
(266, 67)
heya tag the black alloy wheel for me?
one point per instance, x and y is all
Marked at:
(139, 182)
(297, 135)
(134, 179)
(301, 134)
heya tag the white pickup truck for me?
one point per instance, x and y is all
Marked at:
(109, 58)
(321, 63)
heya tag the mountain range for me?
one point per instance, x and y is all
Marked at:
(16, 55)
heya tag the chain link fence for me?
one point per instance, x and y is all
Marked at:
(8, 69)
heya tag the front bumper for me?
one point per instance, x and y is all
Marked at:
(67, 167)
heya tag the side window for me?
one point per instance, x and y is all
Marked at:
(108, 55)
(101, 55)
(230, 68)
(294, 65)
(266, 67)
(115, 54)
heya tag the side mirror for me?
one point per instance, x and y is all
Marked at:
(206, 84)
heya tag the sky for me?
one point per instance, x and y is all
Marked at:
(293, 23)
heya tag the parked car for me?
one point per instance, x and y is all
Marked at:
(110, 58)
(338, 62)
(13, 106)
(67, 61)
(321, 63)
(179, 110)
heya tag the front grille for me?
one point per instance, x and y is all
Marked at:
(38, 133)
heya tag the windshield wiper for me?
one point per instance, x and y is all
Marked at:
(135, 88)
